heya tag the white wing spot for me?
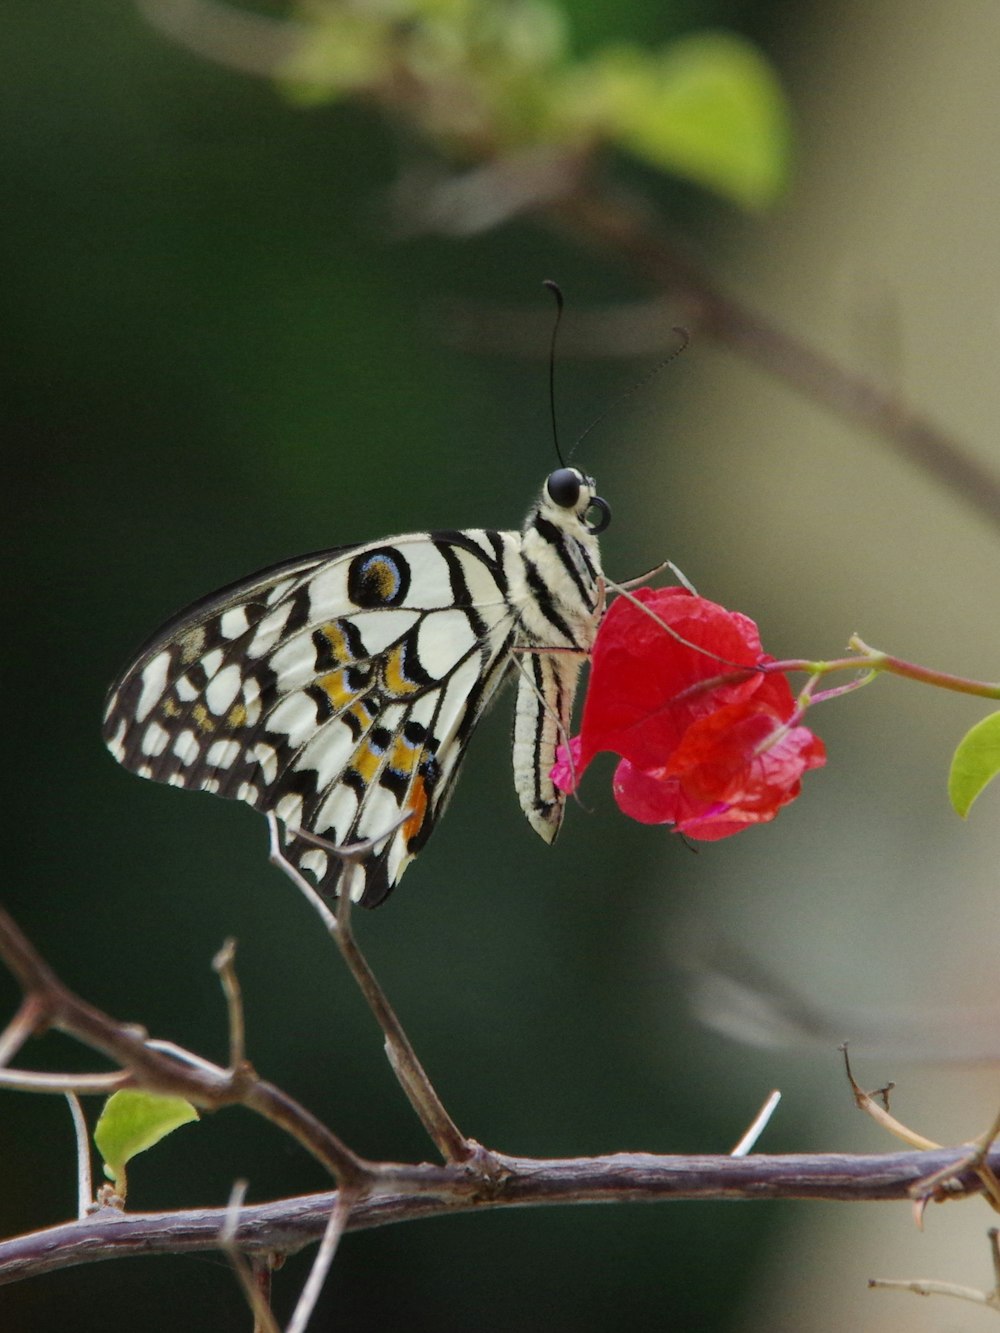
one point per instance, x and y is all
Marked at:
(186, 690)
(116, 743)
(398, 858)
(186, 748)
(212, 661)
(154, 681)
(295, 715)
(267, 757)
(334, 817)
(378, 813)
(251, 700)
(289, 810)
(443, 639)
(210, 784)
(278, 591)
(357, 883)
(482, 541)
(222, 754)
(314, 861)
(155, 739)
(234, 622)
(328, 752)
(378, 629)
(223, 688)
(248, 792)
(268, 632)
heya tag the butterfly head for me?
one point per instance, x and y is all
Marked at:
(570, 497)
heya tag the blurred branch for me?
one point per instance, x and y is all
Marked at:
(288, 1225)
(732, 992)
(476, 110)
(623, 227)
(930, 1287)
(238, 39)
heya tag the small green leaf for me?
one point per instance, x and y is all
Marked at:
(709, 107)
(132, 1121)
(975, 763)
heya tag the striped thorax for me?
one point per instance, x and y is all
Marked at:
(339, 690)
(556, 595)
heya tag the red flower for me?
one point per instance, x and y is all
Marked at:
(709, 742)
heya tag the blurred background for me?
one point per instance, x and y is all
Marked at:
(218, 352)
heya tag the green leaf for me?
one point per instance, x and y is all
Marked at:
(709, 107)
(131, 1122)
(975, 763)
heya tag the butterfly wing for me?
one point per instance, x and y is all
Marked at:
(337, 690)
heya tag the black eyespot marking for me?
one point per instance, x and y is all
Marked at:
(378, 578)
(603, 518)
(564, 487)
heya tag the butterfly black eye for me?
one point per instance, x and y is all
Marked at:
(564, 486)
(603, 514)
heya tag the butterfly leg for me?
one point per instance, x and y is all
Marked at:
(276, 856)
(641, 579)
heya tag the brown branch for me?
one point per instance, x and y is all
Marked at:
(52, 1004)
(288, 1225)
(409, 1072)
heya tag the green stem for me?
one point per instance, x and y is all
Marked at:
(879, 661)
(874, 660)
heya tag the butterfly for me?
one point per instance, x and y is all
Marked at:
(339, 690)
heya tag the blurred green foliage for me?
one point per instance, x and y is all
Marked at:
(214, 358)
(480, 78)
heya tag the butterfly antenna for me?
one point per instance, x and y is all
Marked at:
(556, 291)
(640, 383)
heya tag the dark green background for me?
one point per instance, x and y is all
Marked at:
(214, 356)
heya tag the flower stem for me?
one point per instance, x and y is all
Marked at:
(874, 661)
(880, 661)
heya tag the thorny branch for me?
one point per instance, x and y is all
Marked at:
(288, 1225)
(51, 1004)
(377, 1194)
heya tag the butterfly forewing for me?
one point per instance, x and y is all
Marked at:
(339, 690)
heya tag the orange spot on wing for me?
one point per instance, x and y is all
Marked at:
(337, 640)
(367, 761)
(361, 713)
(335, 686)
(403, 756)
(394, 673)
(203, 719)
(417, 800)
